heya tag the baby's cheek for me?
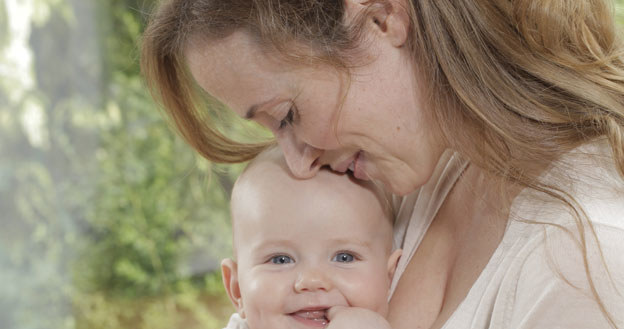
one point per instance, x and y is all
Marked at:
(263, 300)
(367, 290)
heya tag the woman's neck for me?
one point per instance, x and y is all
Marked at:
(475, 215)
(456, 248)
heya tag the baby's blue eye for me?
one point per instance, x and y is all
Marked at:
(281, 259)
(343, 257)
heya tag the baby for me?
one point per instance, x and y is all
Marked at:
(304, 246)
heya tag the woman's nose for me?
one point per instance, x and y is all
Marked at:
(312, 280)
(302, 159)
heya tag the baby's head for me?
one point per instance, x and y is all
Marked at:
(303, 246)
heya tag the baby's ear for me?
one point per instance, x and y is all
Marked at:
(229, 273)
(393, 261)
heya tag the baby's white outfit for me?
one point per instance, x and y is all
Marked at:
(236, 322)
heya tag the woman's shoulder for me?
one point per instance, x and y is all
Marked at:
(587, 179)
(567, 260)
(556, 274)
(538, 276)
(564, 238)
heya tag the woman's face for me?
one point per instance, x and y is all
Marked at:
(371, 123)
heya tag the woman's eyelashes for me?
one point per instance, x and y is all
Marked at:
(289, 118)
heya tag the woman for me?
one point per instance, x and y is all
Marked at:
(499, 126)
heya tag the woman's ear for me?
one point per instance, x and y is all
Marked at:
(388, 19)
(229, 274)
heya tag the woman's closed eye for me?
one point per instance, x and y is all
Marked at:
(343, 257)
(281, 260)
(288, 119)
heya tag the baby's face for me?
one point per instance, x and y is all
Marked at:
(304, 246)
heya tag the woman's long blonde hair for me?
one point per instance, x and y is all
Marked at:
(531, 79)
(513, 84)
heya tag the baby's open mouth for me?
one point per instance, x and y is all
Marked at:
(315, 318)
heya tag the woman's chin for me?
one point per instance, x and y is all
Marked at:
(398, 188)
(402, 190)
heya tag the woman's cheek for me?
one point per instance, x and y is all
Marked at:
(268, 122)
(319, 134)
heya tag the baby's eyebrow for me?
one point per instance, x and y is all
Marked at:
(352, 241)
(278, 243)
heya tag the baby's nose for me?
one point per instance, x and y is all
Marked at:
(311, 280)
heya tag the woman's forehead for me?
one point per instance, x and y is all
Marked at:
(234, 70)
(221, 58)
(239, 49)
(239, 73)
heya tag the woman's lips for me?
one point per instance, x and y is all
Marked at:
(355, 164)
(358, 167)
(313, 318)
(345, 165)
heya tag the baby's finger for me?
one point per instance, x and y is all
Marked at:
(331, 313)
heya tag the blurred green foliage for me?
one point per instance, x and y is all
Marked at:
(4, 26)
(109, 219)
(112, 221)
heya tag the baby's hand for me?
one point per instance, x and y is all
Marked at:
(342, 317)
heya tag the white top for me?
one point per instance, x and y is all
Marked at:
(536, 277)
